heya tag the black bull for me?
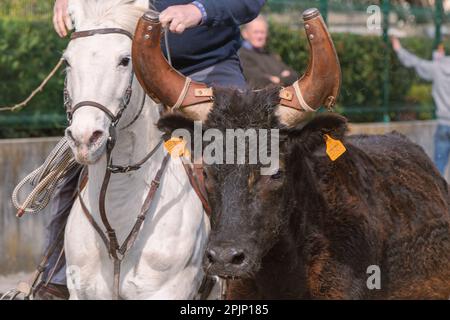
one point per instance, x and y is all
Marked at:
(318, 228)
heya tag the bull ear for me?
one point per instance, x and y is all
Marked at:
(170, 122)
(311, 135)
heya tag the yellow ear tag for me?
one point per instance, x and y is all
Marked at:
(177, 147)
(335, 148)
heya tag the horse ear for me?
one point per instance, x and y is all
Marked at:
(76, 12)
(144, 3)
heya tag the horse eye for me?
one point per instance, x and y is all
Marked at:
(277, 175)
(125, 62)
(66, 63)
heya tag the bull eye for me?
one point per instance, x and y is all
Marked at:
(278, 175)
(124, 62)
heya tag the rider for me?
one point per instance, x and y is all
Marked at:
(195, 53)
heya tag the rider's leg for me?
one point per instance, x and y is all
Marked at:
(60, 207)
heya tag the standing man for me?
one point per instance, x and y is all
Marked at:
(204, 41)
(438, 72)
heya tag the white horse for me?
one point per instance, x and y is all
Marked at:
(166, 260)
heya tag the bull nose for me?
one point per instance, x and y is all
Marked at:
(225, 256)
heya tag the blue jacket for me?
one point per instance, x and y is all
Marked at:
(217, 39)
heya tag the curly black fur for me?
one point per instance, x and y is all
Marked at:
(313, 229)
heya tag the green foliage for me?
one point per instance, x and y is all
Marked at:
(28, 51)
(26, 8)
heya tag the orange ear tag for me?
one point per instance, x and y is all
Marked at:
(335, 148)
(177, 147)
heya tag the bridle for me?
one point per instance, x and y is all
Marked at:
(116, 251)
(109, 238)
(115, 118)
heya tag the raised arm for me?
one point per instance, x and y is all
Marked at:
(424, 68)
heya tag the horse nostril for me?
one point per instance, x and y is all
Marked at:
(211, 255)
(69, 134)
(95, 136)
(238, 257)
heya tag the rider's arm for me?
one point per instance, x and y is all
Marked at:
(230, 12)
(424, 68)
(211, 13)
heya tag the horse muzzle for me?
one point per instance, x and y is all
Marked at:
(88, 145)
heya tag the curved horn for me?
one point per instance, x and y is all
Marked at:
(321, 82)
(160, 80)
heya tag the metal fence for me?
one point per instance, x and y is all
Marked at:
(341, 16)
(376, 18)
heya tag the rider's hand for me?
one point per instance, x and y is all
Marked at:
(181, 17)
(396, 45)
(61, 18)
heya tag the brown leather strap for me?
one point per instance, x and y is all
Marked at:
(111, 233)
(110, 238)
(198, 184)
(89, 33)
(94, 104)
(81, 185)
(129, 241)
(124, 169)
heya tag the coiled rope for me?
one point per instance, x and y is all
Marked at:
(44, 180)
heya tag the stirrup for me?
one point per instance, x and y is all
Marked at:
(51, 291)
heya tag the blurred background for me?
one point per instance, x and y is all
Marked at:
(375, 86)
(378, 94)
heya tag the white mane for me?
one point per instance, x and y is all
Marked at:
(89, 14)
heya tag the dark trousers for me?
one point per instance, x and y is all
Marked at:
(442, 147)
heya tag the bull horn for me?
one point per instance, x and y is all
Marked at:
(321, 82)
(161, 81)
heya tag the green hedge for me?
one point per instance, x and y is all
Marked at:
(29, 49)
(362, 63)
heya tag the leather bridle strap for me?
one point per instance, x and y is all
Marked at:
(94, 104)
(136, 166)
(89, 33)
(127, 96)
(109, 237)
(195, 175)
